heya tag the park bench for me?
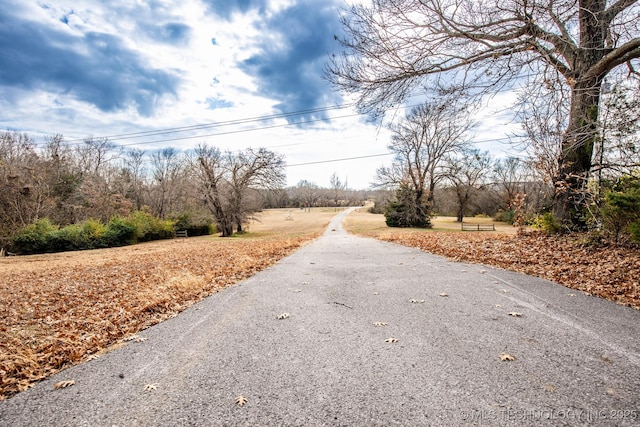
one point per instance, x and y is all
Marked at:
(181, 233)
(467, 226)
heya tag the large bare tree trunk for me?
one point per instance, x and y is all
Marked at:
(574, 164)
(580, 137)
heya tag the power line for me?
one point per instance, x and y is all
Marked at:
(235, 131)
(339, 160)
(201, 126)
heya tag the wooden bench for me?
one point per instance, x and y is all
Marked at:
(181, 233)
(466, 226)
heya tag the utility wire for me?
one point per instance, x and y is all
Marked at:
(339, 160)
(201, 126)
(182, 138)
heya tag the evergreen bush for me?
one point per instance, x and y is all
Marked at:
(407, 210)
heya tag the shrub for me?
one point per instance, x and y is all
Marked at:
(377, 208)
(44, 236)
(406, 210)
(201, 227)
(94, 229)
(547, 222)
(505, 216)
(35, 238)
(69, 238)
(147, 227)
(620, 211)
(119, 233)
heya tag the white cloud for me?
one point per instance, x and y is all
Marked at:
(139, 66)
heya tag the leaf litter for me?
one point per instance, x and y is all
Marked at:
(60, 309)
(609, 272)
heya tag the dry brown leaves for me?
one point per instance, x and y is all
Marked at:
(608, 272)
(59, 309)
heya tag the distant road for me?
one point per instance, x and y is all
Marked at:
(372, 334)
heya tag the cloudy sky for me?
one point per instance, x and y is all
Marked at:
(156, 73)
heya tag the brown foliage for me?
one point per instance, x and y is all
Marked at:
(606, 271)
(60, 309)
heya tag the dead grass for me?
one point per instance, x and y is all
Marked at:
(363, 222)
(60, 309)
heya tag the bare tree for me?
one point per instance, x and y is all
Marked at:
(94, 154)
(308, 193)
(422, 142)
(508, 176)
(166, 168)
(543, 111)
(251, 169)
(135, 165)
(395, 46)
(226, 179)
(337, 189)
(618, 150)
(24, 193)
(210, 172)
(467, 173)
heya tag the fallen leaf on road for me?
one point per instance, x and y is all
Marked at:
(63, 384)
(283, 316)
(444, 294)
(241, 400)
(391, 340)
(506, 357)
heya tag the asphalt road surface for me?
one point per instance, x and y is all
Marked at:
(377, 334)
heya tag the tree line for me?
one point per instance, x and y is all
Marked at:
(119, 195)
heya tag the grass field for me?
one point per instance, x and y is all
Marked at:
(363, 222)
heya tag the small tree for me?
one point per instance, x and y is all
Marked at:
(620, 210)
(422, 142)
(467, 172)
(406, 210)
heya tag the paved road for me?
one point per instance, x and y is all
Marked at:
(577, 358)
